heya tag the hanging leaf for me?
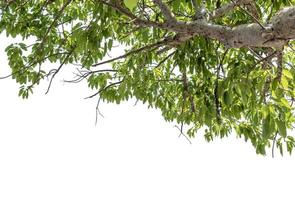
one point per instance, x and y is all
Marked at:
(281, 128)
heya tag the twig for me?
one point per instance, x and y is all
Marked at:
(55, 71)
(217, 102)
(280, 65)
(103, 89)
(181, 132)
(156, 45)
(186, 92)
(254, 18)
(97, 111)
(82, 76)
(165, 59)
(54, 21)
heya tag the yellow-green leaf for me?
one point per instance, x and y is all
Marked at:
(130, 3)
(287, 74)
(284, 82)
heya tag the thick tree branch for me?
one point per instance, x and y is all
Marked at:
(278, 31)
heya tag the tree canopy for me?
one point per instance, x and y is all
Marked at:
(224, 65)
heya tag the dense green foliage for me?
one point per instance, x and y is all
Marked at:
(199, 83)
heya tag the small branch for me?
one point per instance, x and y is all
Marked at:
(268, 80)
(253, 17)
(165, 11)
(251, 7)
(97, 111)
(54, 22)
(25, 68)
(136, 51)
(55, 71)
(219, 12)
(181, 132)
(136, 20)
(196, 6)
(186, 92)
(279, 65)
(267, 58)
(217, 102)
(84, 75)
(200, 11)
(165, 59)
(9, 75)
(104, 89)
(261, 58)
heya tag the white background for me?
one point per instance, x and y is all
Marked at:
(51, 149)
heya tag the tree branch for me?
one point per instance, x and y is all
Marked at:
(279, 65)
(166, 58)
(104, 89)
(186, 92)
(134, 19)
(217, 102)
(55, 72)
(136, 51)
(246, 35)
(165, 11)
(54, 22)
(219, 12)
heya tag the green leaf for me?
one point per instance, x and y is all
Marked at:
(130, 3)
(266, 127)
(284, 82)
(227, 98)
(287, 74)
(281, 128)
(265, 111)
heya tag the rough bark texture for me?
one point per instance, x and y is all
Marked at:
(276, 33)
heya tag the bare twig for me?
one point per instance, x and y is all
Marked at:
(97, 111)
(181, 132)
(55, 71)
(83, 75)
